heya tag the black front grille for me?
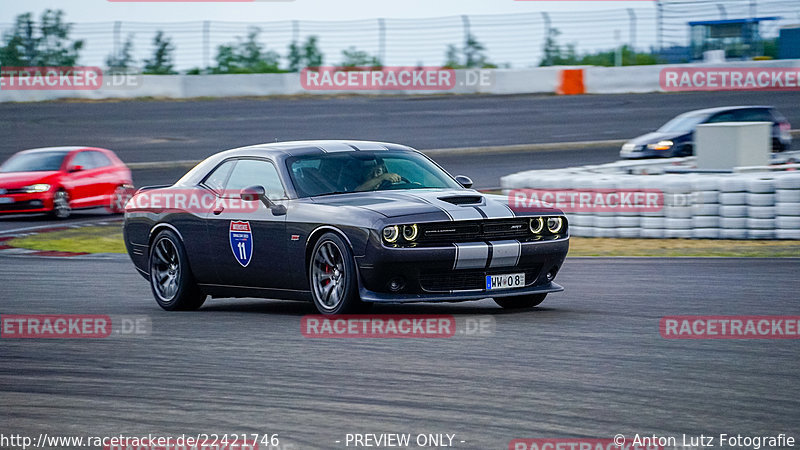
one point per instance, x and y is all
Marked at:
(449, 231)
(474, 279)
(472, 231)
(506, 228)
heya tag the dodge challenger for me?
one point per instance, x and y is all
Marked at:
(344, 224)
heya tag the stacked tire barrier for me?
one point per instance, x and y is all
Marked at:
(759, 205)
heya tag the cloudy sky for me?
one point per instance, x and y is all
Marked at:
(103, 10)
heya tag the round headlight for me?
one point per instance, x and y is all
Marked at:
(554, 224)
(410, 232)
(536, 225)
(390, 234)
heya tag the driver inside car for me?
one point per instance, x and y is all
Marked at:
(375, 174)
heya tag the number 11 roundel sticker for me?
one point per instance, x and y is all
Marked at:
(241, 242)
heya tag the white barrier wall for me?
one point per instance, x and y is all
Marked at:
(596, 80)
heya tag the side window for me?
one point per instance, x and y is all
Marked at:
(254, 172)
(722, 117)
(753, 115)
(216, 179)
(83, 159)
(100, 160)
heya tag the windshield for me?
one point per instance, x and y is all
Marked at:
(34, 162)
(338, 173)
(683, 123)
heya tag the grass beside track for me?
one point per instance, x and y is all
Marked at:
(91, 239)
(108, 239)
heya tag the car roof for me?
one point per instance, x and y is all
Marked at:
(52, 149)
(718, 109)
(299, 148)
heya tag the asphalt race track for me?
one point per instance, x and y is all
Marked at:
(590, 362)
(142, 131)
(145, 131)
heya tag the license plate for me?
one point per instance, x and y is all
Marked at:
(512, 280)
(6, 200)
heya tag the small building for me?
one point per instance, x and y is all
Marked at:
(739, 38)
(789, 43)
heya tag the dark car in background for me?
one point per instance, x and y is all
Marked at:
(344, 224)
(676, 137)
(57, 180)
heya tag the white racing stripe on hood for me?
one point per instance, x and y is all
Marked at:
(496, 210)
(455, 212)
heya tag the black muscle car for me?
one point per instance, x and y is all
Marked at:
(343, 224)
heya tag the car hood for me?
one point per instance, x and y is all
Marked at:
(15, 180)
(458, 204)
(654, 137)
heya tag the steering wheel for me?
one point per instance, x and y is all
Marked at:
(386, 183)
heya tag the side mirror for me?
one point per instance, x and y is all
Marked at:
(255, 193)
(74, 169)
(252, 193)
(464, 181)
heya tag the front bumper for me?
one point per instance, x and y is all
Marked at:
(379, 297)
(450, 273)
(26, 203)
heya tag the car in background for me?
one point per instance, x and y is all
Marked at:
(676, 137)
(344, 224)
(57, 180)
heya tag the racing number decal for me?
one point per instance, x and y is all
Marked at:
(241, 238)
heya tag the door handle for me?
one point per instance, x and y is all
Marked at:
(218, 210)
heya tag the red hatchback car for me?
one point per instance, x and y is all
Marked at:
(57, 180)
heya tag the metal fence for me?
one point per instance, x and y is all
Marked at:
(515, 40)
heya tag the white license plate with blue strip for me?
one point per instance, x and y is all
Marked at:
(508, 281)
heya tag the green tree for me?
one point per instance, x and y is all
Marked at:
(353, 57)
(555, 55)
(45, 45)
(161, 62)
(122, 61)
(305, 55)
(470, 56)
(246, 56)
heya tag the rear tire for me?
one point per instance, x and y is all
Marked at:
(119, 199)
(61, 209)
(171, 279)
(332, 277)
(523, 301)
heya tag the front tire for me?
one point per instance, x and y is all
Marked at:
(61, 209)
(523, 301)
(171, 280)
(332, 277)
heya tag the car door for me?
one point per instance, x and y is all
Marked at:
(247, 239)
(106, 179)
(79, 182)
